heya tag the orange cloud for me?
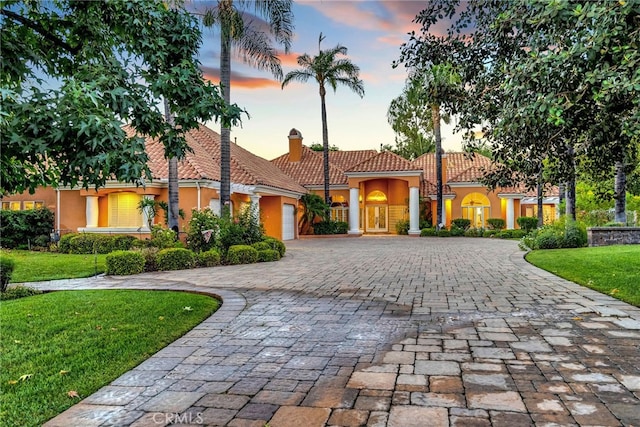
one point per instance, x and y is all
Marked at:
(239, 80)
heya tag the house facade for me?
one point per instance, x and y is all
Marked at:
(372, 191)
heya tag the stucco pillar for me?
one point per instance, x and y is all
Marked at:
(354, 211)
(414, 211)
(510, 215)
(147, 211)
(91, 211)
(444, 212)
(255, 207)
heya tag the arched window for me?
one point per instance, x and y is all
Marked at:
(476, 207)
(377, 196)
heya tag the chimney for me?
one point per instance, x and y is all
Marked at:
(295, 145)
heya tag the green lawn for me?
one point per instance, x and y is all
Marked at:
(58, 343)
(39, 266)
(612, 270)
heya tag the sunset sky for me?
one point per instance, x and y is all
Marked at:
(372, 31)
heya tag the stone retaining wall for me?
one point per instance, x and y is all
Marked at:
(605, 236)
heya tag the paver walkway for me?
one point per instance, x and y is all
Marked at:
(383, 331)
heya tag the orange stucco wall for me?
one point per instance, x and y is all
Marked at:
(271, 214)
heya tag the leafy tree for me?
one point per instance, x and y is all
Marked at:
(73, 72)
(314, 207)
(238, 30)
(327, 69)
(319, 147)
(411, 119)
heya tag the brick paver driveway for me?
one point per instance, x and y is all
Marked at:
(383, 331)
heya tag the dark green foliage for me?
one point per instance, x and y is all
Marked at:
(89, 243)
(267, 255)
(461, 223)
(124, 263)
(428, 232)
(575, 235)
(496, 223)
(510, 234)
(561, 234)
(313, 207)
(260, 246)
(241, 254)
(443, 232)
(16, 292)
(330, 227)
(209, 258)
(527, 223)
(6, 271)
(175, 259)
(163, 238)
(64, 245)
(548, 238)
(19, 229)
(456, 232)
(474, 232)
(241, 230)
(150, 258)
(198, 224)
(275, 244)
(123, 242)
(402, 227)
(489, 233)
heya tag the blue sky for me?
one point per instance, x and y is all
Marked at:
(372, 31)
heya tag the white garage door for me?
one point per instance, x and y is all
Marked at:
(288, 222)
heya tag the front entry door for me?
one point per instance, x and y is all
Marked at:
(377, 219)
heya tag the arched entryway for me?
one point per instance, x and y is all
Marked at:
(377, 212)
(476, 207)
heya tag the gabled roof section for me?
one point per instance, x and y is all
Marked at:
(347, 159)
(386, 161)
(461, 167)
(309, 171)
(204, 162)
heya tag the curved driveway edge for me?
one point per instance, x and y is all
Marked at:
(383, 331)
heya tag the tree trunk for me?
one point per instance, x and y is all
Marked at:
(325, 144)
(435, 117)
(570, 210)
(540, 198)
(174, 201)
(225, 132)
(620, 194)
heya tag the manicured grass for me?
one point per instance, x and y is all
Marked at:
(612, 270)
(39, 266)
(58, 343)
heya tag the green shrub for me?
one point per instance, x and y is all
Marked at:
(175, 259)
(150, 255)
(6, 271)
(123, 242)
(443, 232)
(547, 238)
(124, 263)
(456, 232)
(261, 246)
(22, 228)
(87, 243)
(163, 238)
(64, 244)
(489, 233)
(614, 224)
(527, 223)
(200, 222)
(16, 292)
(461, 223)
(276, 244)
(427, 232)
(241, 254)
(330, 227)
(209, 258)
(474, 232)
(575, 235)
(267, 255)
(402, 227)
(495, 223)
(511, 234)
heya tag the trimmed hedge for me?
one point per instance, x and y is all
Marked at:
(330, 227)
(242, 254)
(124, 263)
(16, 292)
(496, 223)
(86, 243)
(427, 232)
(527, 223)
(6, 271)
(261, 246)
(461, 223)
(275, 244)
(150, 254)
(19, 229)
(268, 255)
(175, 259)
(209, 258)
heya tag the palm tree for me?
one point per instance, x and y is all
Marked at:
(442, 86)
(255, 48)
(172, 214)
(326, 68)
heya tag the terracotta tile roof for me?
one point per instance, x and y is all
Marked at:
(460, 167)
(347, 159)
(204, 162)
(386, 161)
(309, 170)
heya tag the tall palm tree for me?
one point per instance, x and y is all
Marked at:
(240, 30)
(327, 69)
(442, 86)
(173, 188)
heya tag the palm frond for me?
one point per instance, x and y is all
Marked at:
(256, 50)
(301, 76)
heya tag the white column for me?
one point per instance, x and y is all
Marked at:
(354, 211)
(510, 215)
(414, 211)
(91, 211)
(255, 207)
(147, 211)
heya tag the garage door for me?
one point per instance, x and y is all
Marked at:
(288, 222)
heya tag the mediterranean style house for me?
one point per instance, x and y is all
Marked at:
(370, 190)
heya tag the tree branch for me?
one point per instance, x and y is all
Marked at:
(41, 30)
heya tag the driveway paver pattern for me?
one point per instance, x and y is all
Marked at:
(382, 331)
